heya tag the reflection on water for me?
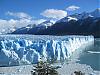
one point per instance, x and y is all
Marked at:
(91, 56)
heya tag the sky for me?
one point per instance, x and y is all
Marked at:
(23, 12)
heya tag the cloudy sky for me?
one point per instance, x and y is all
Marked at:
(23, 12)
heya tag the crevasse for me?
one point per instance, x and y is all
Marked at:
(17, 50)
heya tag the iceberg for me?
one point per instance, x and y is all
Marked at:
(30, 49)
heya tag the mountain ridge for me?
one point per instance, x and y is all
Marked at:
(76, 24)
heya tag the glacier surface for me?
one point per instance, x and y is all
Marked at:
(29, 49)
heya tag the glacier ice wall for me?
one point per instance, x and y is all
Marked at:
(27, 49)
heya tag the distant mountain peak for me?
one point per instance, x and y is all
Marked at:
(98, 9)
(67, 19)
(96, 13)
(83, 23)
(46, 23)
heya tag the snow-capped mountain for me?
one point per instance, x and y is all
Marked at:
(83, 15)
(66, 19)
(46, 24)
(75, 17)
(96, 13)
(85, 23)
(34, 28)
(24, 30)
(88, 26)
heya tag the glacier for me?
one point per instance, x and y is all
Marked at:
(30, 49)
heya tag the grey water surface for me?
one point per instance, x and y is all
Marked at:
(91, 56)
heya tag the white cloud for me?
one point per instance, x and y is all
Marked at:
(72, 8)
(22, 21)
(7, 25)
(18, 23)
(38, 21)
(20, 15)
(54, 13)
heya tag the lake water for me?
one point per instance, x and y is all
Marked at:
(91, 55)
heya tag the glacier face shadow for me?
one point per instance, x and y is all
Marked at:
(29, 49)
